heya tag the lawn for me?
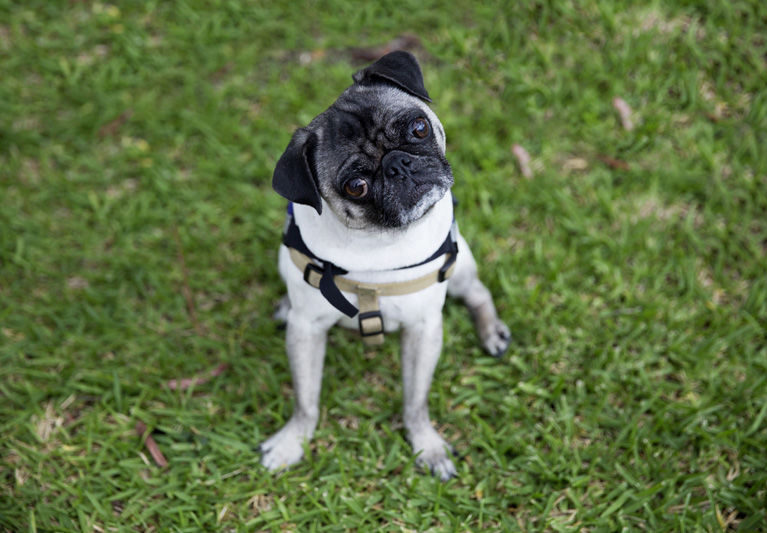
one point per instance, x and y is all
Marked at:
(138, 245)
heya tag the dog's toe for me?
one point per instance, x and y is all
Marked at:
(438, 463)
(444, 469)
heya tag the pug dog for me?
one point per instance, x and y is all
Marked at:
(371, 244)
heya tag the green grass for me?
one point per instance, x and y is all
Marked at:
(136, 138)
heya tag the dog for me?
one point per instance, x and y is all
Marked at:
(371, 243)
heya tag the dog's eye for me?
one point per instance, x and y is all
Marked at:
(420, 128)
(356, 188)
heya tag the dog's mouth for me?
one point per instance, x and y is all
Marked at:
(404, 203)
(411, 184)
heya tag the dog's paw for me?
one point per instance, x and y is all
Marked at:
(283, 449)
(433, 454)
(495, 338)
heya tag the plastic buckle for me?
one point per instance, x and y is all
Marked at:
(310, 269)
(371, 315)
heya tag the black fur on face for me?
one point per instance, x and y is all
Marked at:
(380, 157)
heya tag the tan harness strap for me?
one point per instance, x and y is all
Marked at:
(370, 319)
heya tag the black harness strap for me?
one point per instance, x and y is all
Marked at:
(292, 239)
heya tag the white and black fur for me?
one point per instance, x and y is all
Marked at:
(368, 134)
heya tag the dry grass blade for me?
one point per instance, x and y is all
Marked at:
(151, 445)
(624, 113)
(405, 41)
(523, 160)
(185, 383)
(112, 128)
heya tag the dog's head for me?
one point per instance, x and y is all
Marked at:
(376, 157)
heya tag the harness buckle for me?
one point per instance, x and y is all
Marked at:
(312, 274)
(371, 323)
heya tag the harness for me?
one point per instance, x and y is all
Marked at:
(328, 278)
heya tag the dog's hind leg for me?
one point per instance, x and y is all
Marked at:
(465, 284)
(281, 311)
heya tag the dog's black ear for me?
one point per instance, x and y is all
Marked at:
(399, 68)
(294, 176)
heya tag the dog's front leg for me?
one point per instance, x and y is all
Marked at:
(421, 346)
(465, 284)
(305, 344)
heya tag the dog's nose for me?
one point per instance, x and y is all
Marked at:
(397, 164)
